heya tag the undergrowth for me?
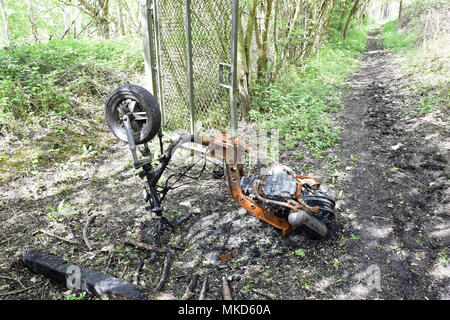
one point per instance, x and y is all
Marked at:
(51, 100)
(420, 43)
(302, 101)
(395, 40)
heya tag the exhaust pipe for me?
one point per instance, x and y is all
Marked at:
(300, 217)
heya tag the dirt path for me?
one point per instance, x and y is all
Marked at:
(390, 238)
(397, 187)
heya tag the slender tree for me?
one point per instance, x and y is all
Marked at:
(98, 11)
(34, 30)
(5, 22)
(350, 16)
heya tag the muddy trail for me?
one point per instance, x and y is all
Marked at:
(389, 240)
(397, 186)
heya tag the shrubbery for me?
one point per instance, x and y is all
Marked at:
(47, 79)
(302, 101)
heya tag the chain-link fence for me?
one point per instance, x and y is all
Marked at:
(210, 31)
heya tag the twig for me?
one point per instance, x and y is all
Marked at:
(190, 288)
(181, 220)
(143, 245)
(382, 218)
(203, 290)
(85, 238)
(264, 294)
(175, 247)
(163, 280)
(123, 271)
(55, 236)
(17, 291)
(10, 278)
(136, 275)
(226, 289)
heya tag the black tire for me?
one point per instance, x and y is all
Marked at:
(144, 129)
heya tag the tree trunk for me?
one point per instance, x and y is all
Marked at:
(97, 10)
(400, 10)
(274, 41)
(102, 19)
(120, 23)
(32, 21)
(350, 16)
(342, 18)
(243, 71)
(262, 38)
(5, 22)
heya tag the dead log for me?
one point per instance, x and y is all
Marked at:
(92, 282)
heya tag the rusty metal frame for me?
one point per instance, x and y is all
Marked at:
(226, 148)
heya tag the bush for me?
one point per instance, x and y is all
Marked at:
(395, 40)
(302, 100)
(41, 79)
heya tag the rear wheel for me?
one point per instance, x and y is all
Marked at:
(140, 105)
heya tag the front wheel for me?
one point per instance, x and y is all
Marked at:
(141, 105)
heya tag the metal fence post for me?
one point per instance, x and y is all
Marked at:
(149, 53)
(234, 44)
(190, 71)
(158, 60)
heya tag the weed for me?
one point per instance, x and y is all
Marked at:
(61, 211)
(336, 263)
(300, 252)
(395, 40)
(74, 296)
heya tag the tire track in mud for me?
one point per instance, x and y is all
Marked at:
(388, 186)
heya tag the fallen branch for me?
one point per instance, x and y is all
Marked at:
(85, 238)
(17, 291)
(190, 288)
(136, 275)
(226, 289)
(203, 290)
(179, 221)
(10, 278)
(55, 236)
(123, 271)
(264, 294)
(163, 280)
(143, 245)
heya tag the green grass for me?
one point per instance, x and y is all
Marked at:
(40, 80)
(51, 100)
(303, 99)
(423, 58)
(395, 40)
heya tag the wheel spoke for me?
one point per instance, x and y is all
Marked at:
(140, 116)
(131, 106)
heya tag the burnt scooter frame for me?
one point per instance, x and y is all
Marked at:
(229, 149)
